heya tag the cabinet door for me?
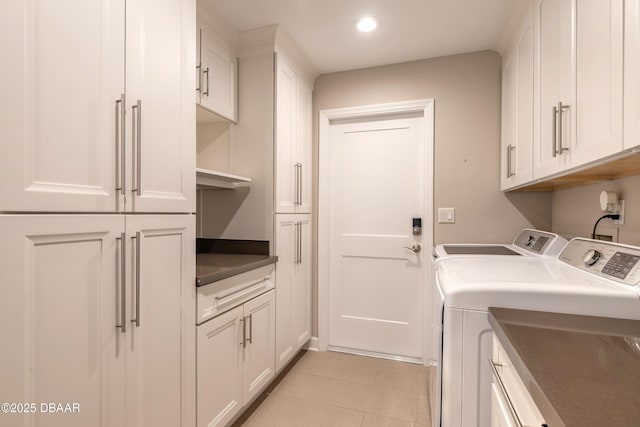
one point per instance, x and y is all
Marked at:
(287, 171)
(60, 306)
(508, 137)
(62, 78)
(303, 145)
(522, 163)
(161, 345)
(160, 154)
(220, 369)
(218, 84)
(556, 79)
(500, 413)
(259, 353)
(286, 251)
(301, 287)
(599, 50)
(631, 73)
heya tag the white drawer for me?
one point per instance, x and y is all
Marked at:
(223, 295)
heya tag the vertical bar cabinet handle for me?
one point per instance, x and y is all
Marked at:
(123, 291)
(554, 126)
(138, 242)
(199, 70)
(120, 137)
(250, 317)
(561, 147)
(300, 242)
(300, 185)
(136, 121)
(508, 161)
(206, 92)
(244, 332)
(512, 168)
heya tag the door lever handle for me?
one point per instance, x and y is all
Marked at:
(416, 248)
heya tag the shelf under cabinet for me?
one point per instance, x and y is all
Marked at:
(209, 179)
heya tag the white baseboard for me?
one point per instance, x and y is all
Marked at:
(312, 344)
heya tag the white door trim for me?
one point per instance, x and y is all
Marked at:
(426, 107)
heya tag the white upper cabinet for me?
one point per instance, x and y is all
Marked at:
(62, 82)
(631, 73)
(555, 97)
(599, 53)
(579, 96)
(293, 139)
(217, 79)
(160, 154)
(517, 105)
(75, 140)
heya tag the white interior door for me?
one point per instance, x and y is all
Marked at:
(376, 186)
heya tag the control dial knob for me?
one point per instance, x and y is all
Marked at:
(591, 257)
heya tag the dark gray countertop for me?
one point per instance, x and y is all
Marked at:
(219, 259)
(580, 370)
(213, 267)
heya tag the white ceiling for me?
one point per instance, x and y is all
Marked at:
(411, 29)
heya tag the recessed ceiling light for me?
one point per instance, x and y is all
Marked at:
(367, 24)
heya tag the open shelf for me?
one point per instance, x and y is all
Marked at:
(206, 178)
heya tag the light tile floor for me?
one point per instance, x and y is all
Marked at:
(330, 389)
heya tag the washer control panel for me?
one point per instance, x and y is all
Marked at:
(609, 260)
(539, 242)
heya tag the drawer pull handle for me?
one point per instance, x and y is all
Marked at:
(496, 375)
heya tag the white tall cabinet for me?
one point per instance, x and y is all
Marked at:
(98, 301)
(76, 140)
(292, 207)
(293, 138)
(293, 290)
(62, 80)
(160, 130)
(99, 312)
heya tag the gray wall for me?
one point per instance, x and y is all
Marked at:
(575, 210)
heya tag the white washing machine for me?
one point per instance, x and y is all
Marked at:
(588, 277)
(528, 242)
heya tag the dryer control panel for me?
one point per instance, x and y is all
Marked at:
(539, 242)
(612, 261)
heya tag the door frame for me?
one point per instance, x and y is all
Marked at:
(424, 106)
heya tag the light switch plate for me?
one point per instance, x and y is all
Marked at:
(446, 215)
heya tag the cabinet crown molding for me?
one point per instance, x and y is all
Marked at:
(265, 40)
(214, 22)
(510, 24)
